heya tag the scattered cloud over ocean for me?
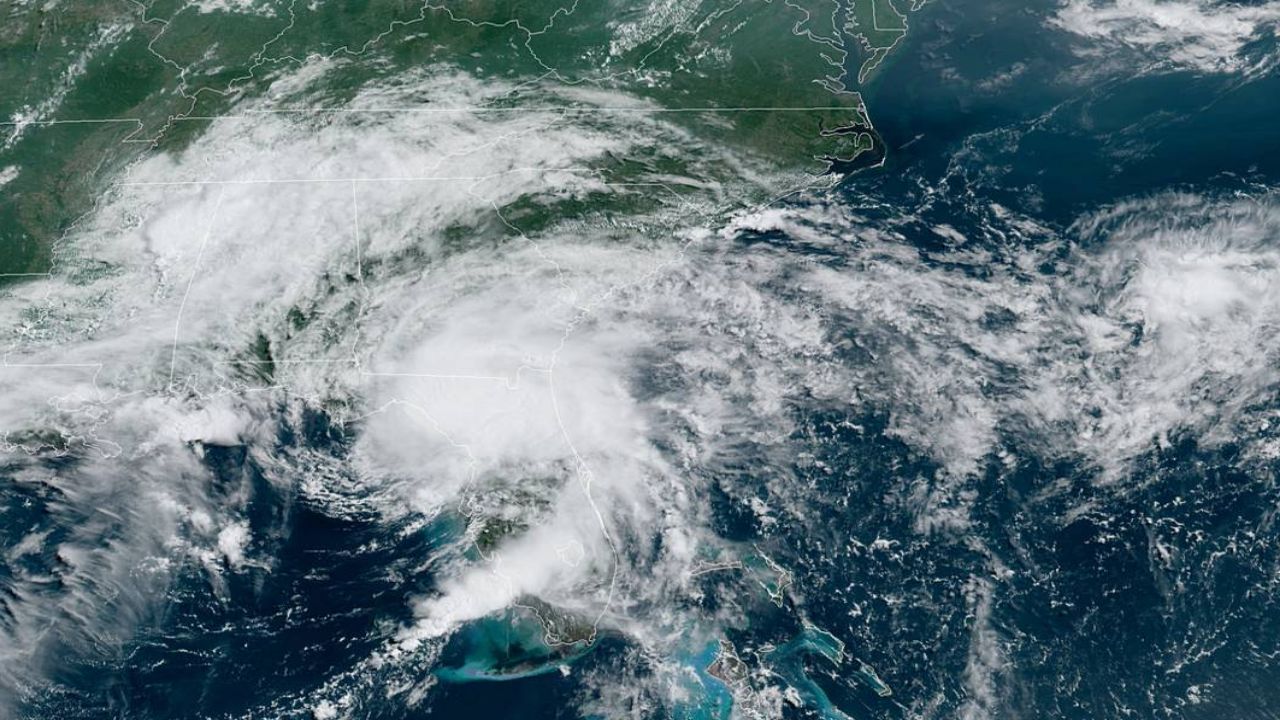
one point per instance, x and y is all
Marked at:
(1207, 36)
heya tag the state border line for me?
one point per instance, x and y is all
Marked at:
(373, 111)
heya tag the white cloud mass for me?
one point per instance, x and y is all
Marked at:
(1202, 35)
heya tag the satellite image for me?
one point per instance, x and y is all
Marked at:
(639, 359)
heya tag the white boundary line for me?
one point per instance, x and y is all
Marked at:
(195, 270)
(567, 110)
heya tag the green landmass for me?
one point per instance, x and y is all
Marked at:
(88, 87)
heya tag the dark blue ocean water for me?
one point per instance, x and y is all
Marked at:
(1059, 137)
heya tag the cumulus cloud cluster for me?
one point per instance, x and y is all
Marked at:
(1160, 317)
(1206, 36)
(1147, 324)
